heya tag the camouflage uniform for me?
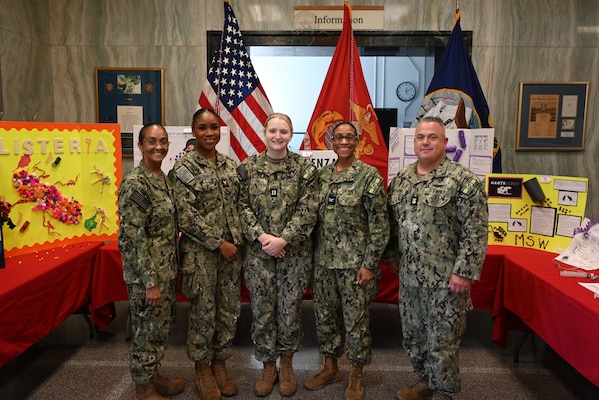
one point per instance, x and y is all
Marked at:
(439, 227)
(280, 201)
(148, 241)
(206, 198)
(352, 231)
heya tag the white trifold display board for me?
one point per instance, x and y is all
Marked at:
(472, 148)
(180, 138)
(320, 158)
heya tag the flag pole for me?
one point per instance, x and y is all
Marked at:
(351, 116)
(457, 13)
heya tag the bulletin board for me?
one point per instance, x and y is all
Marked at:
(60, 181)
(535, 211)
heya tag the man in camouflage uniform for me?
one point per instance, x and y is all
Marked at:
(439, 235)
(277, 204)
(351, 234)
(147, 239)
(206, 191)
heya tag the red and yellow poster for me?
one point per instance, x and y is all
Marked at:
(58, 183)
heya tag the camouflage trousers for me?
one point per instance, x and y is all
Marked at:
(151, 327)
(340, 303)
(276, 289)
(214, 304)
(433, 321)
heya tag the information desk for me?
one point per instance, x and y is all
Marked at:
(563, 313)
(39, 290)
(108, 285)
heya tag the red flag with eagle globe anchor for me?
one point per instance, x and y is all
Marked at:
(344, 97)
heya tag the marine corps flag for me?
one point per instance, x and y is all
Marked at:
(455, 94)
(344, 97)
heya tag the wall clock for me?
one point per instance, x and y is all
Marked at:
(406, 91)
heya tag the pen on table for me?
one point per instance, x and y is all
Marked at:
(578, 274)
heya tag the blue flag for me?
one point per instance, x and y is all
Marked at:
(455, 94)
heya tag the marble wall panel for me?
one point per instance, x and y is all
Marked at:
(26, 18)
(129, 23)
(26, 61)
(501, 69)
(184, 73)
(27, 79)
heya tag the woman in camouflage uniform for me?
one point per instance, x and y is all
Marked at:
(350, 236)
(148, 241)
(206, 188)
(278, 209)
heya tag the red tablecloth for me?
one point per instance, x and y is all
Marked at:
(39, 290)
(108, 285)
(559, 310)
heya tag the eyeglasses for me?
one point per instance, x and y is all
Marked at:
(154, 142)
(340, 138)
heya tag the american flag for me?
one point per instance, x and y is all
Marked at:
(233, 90)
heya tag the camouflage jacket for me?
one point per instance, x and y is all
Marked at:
(206, 199)
(281, 202)
(438, 224)
(353, 225)
(147, 234)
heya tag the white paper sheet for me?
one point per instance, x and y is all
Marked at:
(583, 251)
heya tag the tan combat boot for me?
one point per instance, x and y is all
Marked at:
(227, 386)
(329, 374)
(205, 383)
(147, 392)
(267, 379)
(418, 391)
(355, 386)
(287, 383)
(168, 387)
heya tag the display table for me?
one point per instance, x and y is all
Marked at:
(39, 290)
(563, 313)
(109, 286)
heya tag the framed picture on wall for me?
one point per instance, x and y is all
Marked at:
(129, 96)
(552, 116)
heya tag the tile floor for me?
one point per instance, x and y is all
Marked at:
(68, 365)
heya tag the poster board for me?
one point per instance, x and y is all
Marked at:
(472, 148)
(181, 142)
(61, 180)
(181, 139)
(521, 216)
(320, 158)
